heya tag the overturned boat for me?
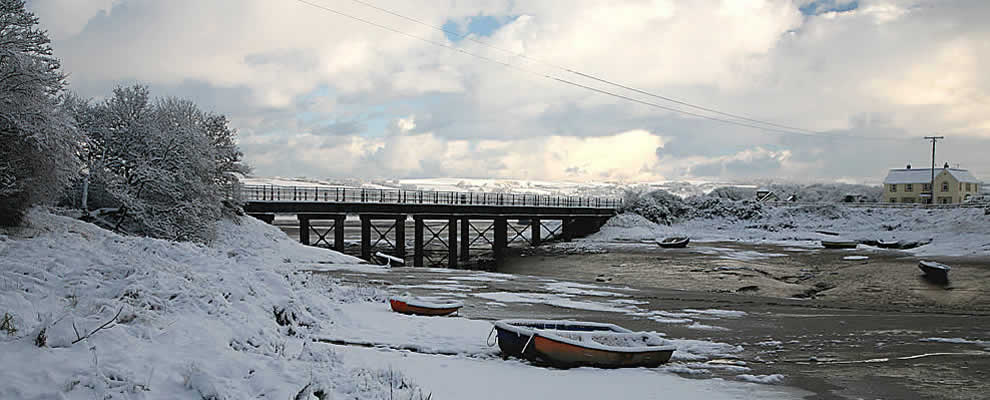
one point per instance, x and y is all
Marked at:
(889, 244)
(839, 244)
(674, 242)
(568, 344)
(934, 271)
(413, 306)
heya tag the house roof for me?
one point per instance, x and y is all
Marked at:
(924, 175)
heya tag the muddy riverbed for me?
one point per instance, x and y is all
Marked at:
(831, 322)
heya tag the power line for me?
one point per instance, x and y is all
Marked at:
(801, 132)
(467, 36)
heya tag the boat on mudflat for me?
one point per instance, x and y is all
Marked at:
(414, 306)
(934, 271)
(889, 244)
(839, 244)
(569, 344)
(674, 242)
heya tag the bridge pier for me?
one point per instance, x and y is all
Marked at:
(535, 230)
(418, 241)
(306, 228)
(501, 236)
(397, 226)
(452, 242)
(465, 239)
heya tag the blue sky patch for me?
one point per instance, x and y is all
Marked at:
(481, 25)
(818, 7)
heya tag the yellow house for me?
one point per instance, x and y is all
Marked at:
(907, 185)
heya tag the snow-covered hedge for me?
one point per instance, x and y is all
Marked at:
(162, 165)
(664, 208)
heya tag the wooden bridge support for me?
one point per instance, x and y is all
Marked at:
(418, 225)
(306, 228)
(371, 236)
(465, 243)
(501, 236)
(535, 231)
(452, 242)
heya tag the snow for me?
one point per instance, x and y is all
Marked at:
(228, 321)
(550, 299)
(924, 175)
(951, 231)
(765, 379)
(581, 289)
(855, 258)
(376, 324)
(243, 317)
(954, 340)
(465, 378)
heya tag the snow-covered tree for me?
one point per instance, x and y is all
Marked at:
(162, 166)
(38, 141)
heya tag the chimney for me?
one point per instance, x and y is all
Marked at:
(946, 165)
(909, 166)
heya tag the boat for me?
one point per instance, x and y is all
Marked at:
(839, 244)
(389, 260)
(569, 344)
(414, 306)
(889, 244)
(935, 272)
(674, 242)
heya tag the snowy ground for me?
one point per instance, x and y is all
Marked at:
(125, 317)
(951, 232)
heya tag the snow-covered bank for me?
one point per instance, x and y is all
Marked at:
(130, 317)
(226, 321)
(952, 232)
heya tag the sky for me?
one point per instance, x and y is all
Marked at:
(316, 94)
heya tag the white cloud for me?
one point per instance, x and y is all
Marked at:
(317, 94)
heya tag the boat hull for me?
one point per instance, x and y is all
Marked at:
(676, 244)
(839, 245)
(566, 355)
(402, 307)
(545, 349)
(934, 274)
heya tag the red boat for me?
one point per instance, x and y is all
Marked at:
(414, 306)
(568, 344)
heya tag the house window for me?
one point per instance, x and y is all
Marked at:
(967, 187)
(893, 188)
(893, 199)
(927, 187)
(907, 200)
(945, 186)
(909, 187)
(945, 200)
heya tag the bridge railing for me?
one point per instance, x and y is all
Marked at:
(398, 196)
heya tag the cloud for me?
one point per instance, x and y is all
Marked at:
(305, 87)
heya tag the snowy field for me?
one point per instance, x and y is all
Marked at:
(127, 317)
(948, 232)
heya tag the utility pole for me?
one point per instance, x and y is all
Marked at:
(931, 199)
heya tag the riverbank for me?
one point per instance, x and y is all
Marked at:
(830, 349)
(880, 279)
(88, 313)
